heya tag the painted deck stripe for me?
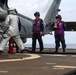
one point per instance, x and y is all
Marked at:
(68, 67)
(32, 56)
(73, 55)
(3, 71)
(57, 55)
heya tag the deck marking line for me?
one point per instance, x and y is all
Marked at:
(68, 67)
(3, 71)
(32, 56)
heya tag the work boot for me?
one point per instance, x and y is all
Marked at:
(41, 51)
(1, 52)
(23, 51)
(33, 51)
(63, 49)
(56, 50)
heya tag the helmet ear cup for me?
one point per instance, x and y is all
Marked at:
(36, 14)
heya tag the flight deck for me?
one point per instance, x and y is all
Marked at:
(45, 63)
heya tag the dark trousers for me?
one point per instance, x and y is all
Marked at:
(39, 37)
(58, 39)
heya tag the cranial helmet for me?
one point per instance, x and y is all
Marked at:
(12, 11)
(58, 16)
(36, 14)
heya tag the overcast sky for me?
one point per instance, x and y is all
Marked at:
(28, 7)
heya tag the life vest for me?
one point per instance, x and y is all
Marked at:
(36, 25)
(60, 29)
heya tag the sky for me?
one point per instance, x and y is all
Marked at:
(28, 7)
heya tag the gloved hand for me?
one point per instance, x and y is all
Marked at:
(55, 26)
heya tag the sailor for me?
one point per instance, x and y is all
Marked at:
(37, 31)
(59, 27)
(11, 30)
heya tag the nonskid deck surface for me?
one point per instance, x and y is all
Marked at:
(38, 63)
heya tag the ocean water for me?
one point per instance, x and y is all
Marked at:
(68, 46)
(49, 41)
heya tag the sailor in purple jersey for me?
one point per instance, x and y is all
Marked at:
(59, 28)
(37, 31)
